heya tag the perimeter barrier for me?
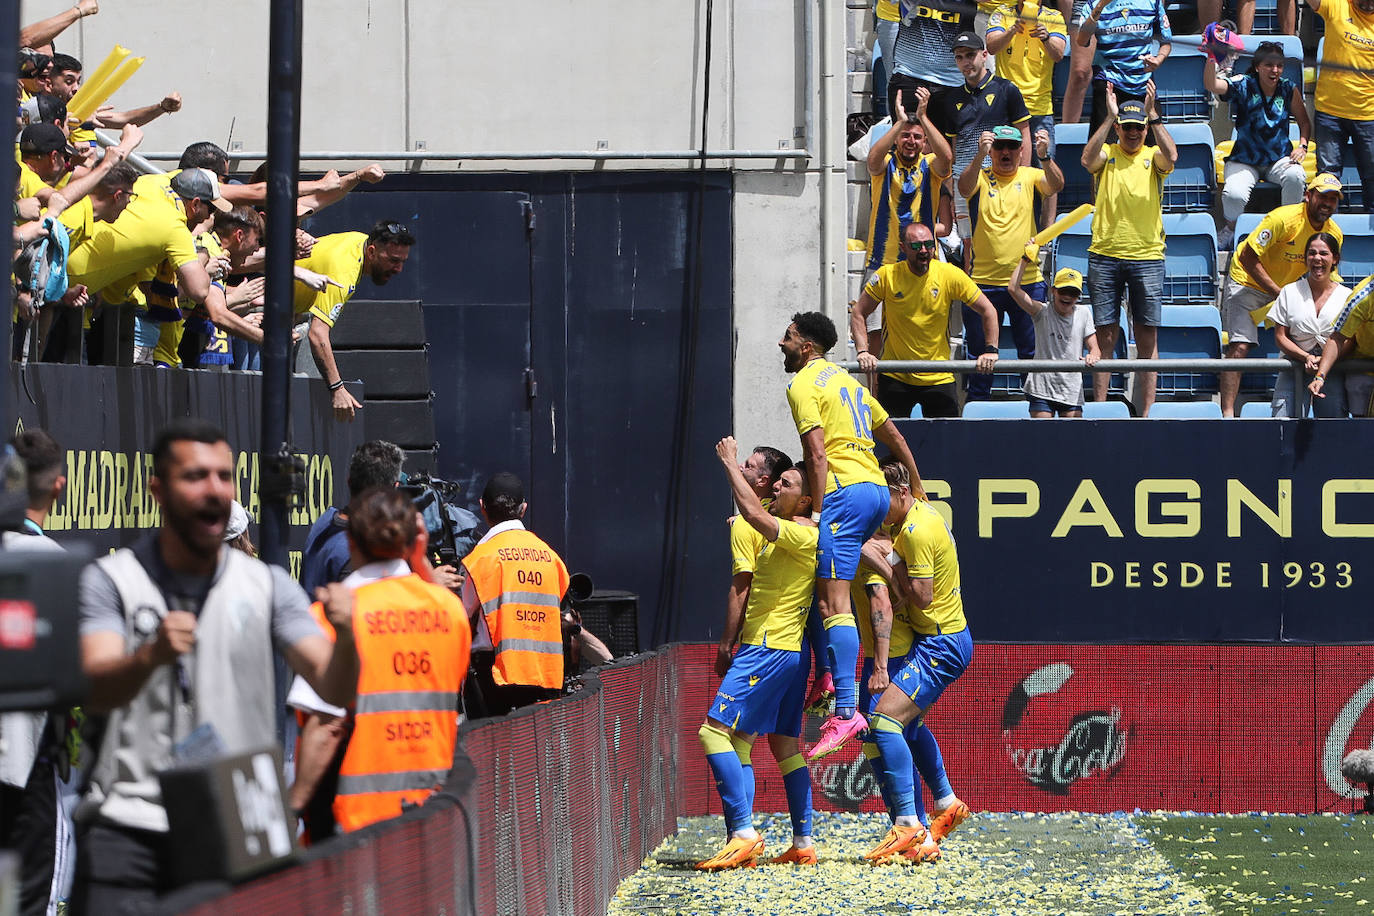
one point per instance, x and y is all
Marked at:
(561, 801)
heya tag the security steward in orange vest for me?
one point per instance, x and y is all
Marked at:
(512, 592)
(413, 645)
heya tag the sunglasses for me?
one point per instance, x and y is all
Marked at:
(925, 245)
(1131, 127)
(1006, 145)
(396, 229)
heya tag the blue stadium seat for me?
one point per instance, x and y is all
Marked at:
(1116, 382)
(1106, 410)
(1185, 410)
(1178, 87)
(1069, 141)
(1191, 187)
(1264, 348)
(1246, 224)
(1351, 186)
(917, 413)
(1190, 265)
(1189, 332)
(1257, 410)
(1267, 20)
(1357, 251)
(997, 410)
(1006, 384)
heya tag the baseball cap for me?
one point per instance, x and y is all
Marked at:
(968, 40)
(238, 521)
(38, 139)
(1325, 182)
(1006, 133)
(191, 184)
(1131, 112)
(1068, 278)
(42, 108)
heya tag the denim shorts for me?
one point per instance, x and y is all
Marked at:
(1111, 279)
(1043, 122)
(1037, 405)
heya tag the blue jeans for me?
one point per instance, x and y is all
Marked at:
(1045, 123)
(1332, 135)
(1022, 331)
(247, 355)
(1110, 279)
(1331, 407)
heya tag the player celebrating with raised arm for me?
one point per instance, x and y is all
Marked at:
(838, 426)
(765, 686)
(925, 547)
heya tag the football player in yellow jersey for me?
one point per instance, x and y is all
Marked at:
(344, 257)
(764, 688)
(928, 572)
(838, 425)
(1272, 256)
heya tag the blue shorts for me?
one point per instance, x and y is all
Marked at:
(868, 702)
(849, 517)
(763, 692)
(935, 662)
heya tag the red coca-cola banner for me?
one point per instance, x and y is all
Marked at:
(1108, 728)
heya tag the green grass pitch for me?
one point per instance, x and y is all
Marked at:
(1010, 864)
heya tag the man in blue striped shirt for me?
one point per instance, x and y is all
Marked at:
(1128, 40)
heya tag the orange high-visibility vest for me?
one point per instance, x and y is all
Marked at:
(520, 582)
(413, 644)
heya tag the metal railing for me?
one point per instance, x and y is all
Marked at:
(419, 156)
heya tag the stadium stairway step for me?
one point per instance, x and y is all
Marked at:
(384, 343)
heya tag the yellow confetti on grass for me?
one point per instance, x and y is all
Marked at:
(1007, 864)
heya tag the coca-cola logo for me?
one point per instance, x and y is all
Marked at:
(1051, 744)
(847, 784)
(1338, 738)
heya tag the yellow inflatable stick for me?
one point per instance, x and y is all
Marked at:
(91, 85)
(108, 88)
(1054, 231)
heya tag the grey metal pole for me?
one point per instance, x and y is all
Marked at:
(9, 63)
(283, 146)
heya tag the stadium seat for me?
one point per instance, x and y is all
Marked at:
(1257, 410)
(1059, 82)
(1246, 225)
(1357, 249)
(1178, 86)
(1116, 382)
(1185, 410)
(917, 413)
(1069, 141)
(1189, 332)
(1264, 348)
(1190, 267)
(1267, 20)
(1006, 384)
(1106, 410)
(997, 410)
(1192, 186)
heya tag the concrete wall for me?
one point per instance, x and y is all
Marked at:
(485, 75)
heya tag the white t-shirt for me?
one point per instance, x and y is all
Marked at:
(1296, 311)
(1060, 337)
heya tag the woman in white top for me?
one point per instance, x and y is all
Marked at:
(1304, 316)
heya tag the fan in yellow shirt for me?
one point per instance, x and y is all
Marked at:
(1345, 81)
(917, 295)
(1352, 337)
(1127, 250)
(343, 257)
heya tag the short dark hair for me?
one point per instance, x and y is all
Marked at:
(816, 328)
(65, 62)
(774, 461)
(238, 218)
(120, 177)
(502, 497)
(204, 155)
(42, 458)
(375, 463)
(188, 429)
(381, 522)
(51, 109)
(800, 468)
(390, 232)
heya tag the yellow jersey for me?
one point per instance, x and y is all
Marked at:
(339, 257)
(745, 544)
(1129, 222)
(780, 595)
(900, 195)
(151, 229)
(824, 396)
(79, 221)
(1003, 214)
(1280, 240)
(888, 11)
(916, 314)
(1356, 319)
(29, 183)
(1025, 61)
(926, 546)
(903, 634)
(1345, 80)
